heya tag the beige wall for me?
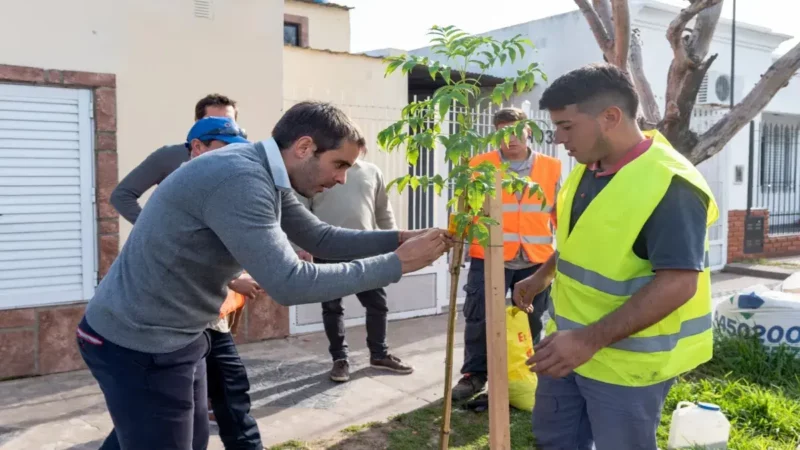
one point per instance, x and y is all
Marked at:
(328, 26)
(357, 85)
(162, 67)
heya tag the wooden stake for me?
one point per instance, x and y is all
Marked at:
(497, 358)
(455, 271)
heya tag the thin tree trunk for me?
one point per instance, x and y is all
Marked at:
(455, 272)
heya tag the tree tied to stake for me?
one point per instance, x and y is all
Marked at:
(464, 59)
(609, 21)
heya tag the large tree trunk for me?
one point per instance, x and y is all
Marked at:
(689, 66)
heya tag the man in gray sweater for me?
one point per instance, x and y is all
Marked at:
(142, 335)
(360, 204)
(228, 385)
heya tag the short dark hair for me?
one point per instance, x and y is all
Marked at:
(508, 115)
(213, 100)
(592, 88)
(327, 125)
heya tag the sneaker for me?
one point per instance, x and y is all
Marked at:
(391, 363)
(340, 371)
(469, 385)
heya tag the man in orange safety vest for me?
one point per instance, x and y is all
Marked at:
(527, 243)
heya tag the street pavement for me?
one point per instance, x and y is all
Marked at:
(292, 395)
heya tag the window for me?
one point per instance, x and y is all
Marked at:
(295, 30)
(291, 34)
(779, 158)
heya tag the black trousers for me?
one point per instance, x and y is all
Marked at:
(475, 313)
(155, 400)
(375, 303)
(228, 389)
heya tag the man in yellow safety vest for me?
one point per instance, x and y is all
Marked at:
(631, 288)
(527, 243)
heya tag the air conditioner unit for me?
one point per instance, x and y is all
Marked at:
(716, 89)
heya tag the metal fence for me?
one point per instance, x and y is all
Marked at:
(775, 184)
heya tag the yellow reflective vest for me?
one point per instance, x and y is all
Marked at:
(597, 271)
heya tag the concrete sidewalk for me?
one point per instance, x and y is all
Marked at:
(292, 395)
(772, 268)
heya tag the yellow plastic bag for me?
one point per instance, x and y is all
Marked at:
(521, 381)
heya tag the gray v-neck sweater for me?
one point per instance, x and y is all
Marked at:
(219, 213)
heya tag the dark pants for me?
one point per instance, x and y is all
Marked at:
(475, 314)
(155, 400)
(374, 302)
(228, 388)
(579, 413)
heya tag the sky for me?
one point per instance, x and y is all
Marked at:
(403, 24)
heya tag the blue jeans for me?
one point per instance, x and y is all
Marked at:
(475, 313)
(155, 400)
(575, 413)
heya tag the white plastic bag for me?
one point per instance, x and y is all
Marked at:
(771, 315)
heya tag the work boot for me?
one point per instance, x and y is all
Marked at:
(469, 385)
(391, 363)
(340, 371)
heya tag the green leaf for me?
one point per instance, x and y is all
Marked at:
(461, 98)
(433, 69)
(390, 184)
(392, 66)
(512, 54)
(444, 106)
(497, 95)
(480, 233)
(521, 48)
(519, 129)
(521, 84)
(453, 154)
(409, 65)
(503, 58)
(412, 156)
(446, 75)
(536, 132)
(508, 89)
(438, 184)
(414, 183)
(402, 182)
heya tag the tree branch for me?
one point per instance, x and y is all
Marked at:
(601, 35)
(647, 100)
(677, 129)
(603, 8)
(776, 77)
(703, 32)
(622, 32)
(682, 60)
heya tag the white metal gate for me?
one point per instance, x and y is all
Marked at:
(715, 171)
(47, 220)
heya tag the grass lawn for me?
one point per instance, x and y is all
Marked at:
(758, 391)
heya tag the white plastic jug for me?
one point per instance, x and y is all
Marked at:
(698, 426)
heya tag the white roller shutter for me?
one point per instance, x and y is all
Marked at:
(47, 231)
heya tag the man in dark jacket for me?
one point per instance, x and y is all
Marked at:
(164, 161)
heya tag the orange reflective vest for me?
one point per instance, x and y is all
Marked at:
(525, 222)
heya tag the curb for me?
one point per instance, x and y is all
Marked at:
(759, 271)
